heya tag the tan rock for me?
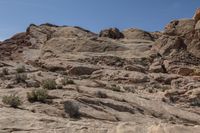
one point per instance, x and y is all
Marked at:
(197, 15)
(181, 27)
(157, 67)
(168, 44)
(113, 33)
(81, 70)
(185, 71)
(197, 26)
(137, 34)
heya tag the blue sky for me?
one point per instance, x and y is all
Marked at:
(150, 15)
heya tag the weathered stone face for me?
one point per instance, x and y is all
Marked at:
(113, 33)
(134, 81)
(197, 26)
(180, 27)
(133, 33)
(197, 15)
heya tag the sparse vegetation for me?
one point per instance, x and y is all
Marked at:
(39, 74)
(129, 89)
(20, 69)
(115, 87)
(5, 71)
(38, 95)
(49, 84)
(12, 100)
(20, 78)
(72, 109)
(101, 94)
(66, 81)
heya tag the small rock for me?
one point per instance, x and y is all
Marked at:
(135, 68)
(185, 71)
(81, 70)
(32, 83)
(157, 67)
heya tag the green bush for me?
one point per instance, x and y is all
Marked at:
(38, 95)
(12, 100)
(20, 69)
(20, 78)
(66, 81)
(72, 109)
(49, 84)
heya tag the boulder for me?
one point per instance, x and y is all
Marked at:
(164, 78)
(81, 70)
(167, 44)
(113, 33)
(32, 83)
(71, 107)
(185, 71)
(181, 27)
(197, 15)
(194, 48)
(137, 34)
(157, 67)
(197, 26)
(156, 34)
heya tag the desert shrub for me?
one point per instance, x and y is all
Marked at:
(12, 100)
(129, 89)
(195, 101)
(101, 94)
(5, 71)
(66, 81)
(59, 87)
(49, 84)
(115, 87)
(72, 109)
(20, 69)
(20, 78)
(38, 95)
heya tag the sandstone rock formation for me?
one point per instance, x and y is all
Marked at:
(134, 81)
(197, 15)
(113, 33)
(137, 34)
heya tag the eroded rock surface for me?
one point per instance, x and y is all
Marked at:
(134, 81)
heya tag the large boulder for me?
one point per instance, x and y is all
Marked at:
(197, 15)
(194, 48)
(113, 33)
(137, 34)
(197, 26)
(168, 44)
(181, 27)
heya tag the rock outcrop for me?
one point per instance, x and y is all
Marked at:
(197, 15)
(114, 82)
(113, 33)
(137, 34)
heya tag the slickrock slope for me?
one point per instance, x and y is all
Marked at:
(117, 82)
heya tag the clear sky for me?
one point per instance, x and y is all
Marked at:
(150, 15)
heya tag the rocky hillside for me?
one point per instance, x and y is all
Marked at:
(62, 79)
